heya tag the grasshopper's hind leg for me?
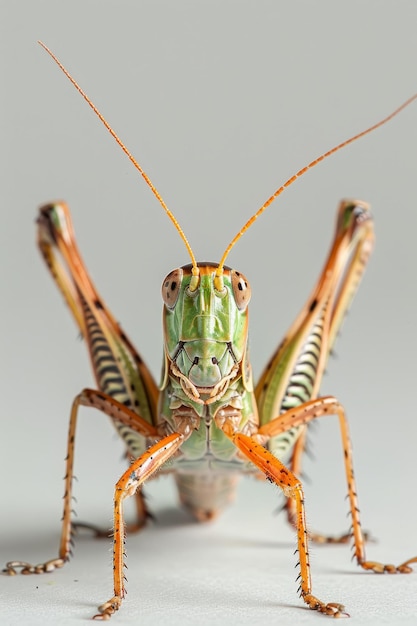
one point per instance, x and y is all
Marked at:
(119, 370)
(294, 374)
(127, 391)
(124, 416)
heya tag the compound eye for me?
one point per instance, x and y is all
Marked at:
(171, 288)
(241, 290)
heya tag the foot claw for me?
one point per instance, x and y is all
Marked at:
(381, 568)
(405, 568)
(27, 568)
(334, 609)
(108, 608)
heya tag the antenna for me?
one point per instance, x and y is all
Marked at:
(195, 270)
(292, 179)
(218, 280)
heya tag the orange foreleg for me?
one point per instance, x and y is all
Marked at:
(141, 469)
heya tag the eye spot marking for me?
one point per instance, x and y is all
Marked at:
(241, 289)
(171, 287)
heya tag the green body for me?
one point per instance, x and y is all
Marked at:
(205, 368)
(206, 377)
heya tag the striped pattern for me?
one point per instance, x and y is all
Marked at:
(109, 378)
(300, 387)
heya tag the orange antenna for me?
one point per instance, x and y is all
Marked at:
(148, 181)
(290, 181)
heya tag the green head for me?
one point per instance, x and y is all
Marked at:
(205, 329)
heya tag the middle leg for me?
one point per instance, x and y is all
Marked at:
(304, 414)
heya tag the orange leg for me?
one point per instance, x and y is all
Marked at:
(141, 469)
(276, 472)
(303, 415)
(295, 466)
(115, 410)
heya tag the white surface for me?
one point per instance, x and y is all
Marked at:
(220, 102)
(239, 569)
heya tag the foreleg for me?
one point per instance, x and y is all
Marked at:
(131, 480)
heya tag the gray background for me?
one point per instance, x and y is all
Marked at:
(220, 102)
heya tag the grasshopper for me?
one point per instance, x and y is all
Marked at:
(207, 422)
